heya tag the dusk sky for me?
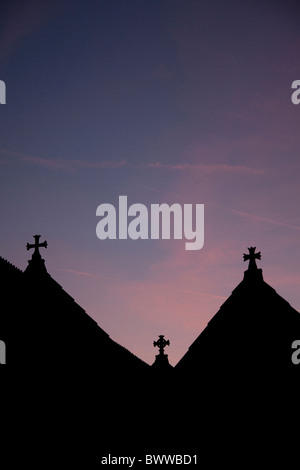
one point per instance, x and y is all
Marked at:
(164, 101)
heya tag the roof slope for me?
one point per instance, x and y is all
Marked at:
(43, 325)
(250, 335)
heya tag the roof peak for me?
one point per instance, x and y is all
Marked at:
(36, 264)
(252, 273)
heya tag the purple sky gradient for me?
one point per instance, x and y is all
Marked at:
(167, 101)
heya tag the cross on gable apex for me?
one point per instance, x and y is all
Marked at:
(36, 245)
(252, 256)
(161, 343)
(36, 265)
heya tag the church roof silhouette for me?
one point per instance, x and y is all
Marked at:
(43, 323)
(238, 370)
(249, 338)
(251, 334)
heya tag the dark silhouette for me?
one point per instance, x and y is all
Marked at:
(161, 363)
(36, 263)
(250, 337)
(252, 256)
(43, 325)
(36, 246)
(92, 397)
(161, 344)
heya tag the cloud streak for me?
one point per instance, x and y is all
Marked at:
(208, 168)
(138, 285)
(64, 164)
(85, 274)
(73, 165)
(263, 219)
(187, 291)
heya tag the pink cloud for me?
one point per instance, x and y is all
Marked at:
(263, 219)
(47, 163)
(149, 284)
(64, 164)
(208, 168)
(174, 296)
(97, 165)
(73, 165)
(86, 274)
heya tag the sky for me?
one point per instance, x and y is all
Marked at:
(164, 101)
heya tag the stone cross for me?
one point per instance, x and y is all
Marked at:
(36, 245)
(161, 343)
(252, 256)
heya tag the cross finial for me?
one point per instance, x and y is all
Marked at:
(36, 246)
(252, 256)
(161, 343)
